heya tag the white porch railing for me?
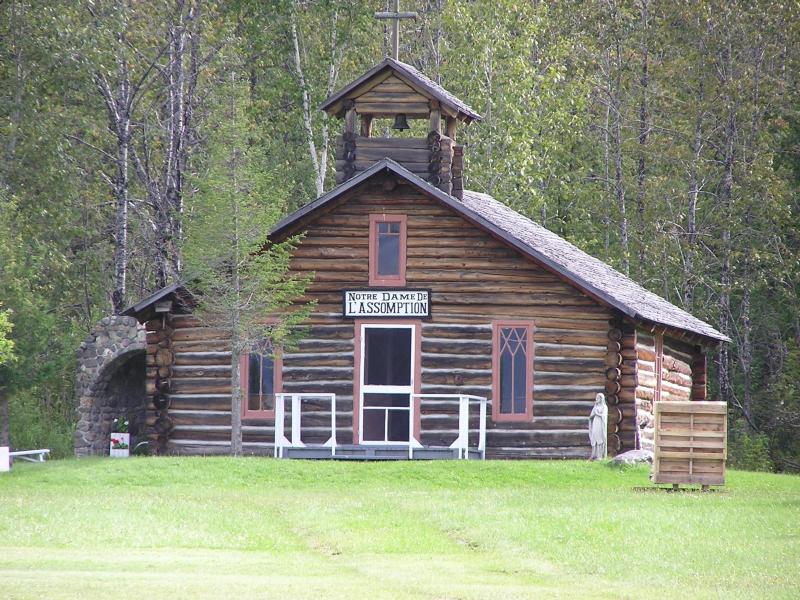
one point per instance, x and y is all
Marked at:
(461, 442)
(281, 441)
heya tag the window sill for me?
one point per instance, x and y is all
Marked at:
(514, 418)
(256, 415)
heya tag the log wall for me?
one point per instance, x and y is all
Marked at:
(580, 347)
(668, 370)
(475, 279)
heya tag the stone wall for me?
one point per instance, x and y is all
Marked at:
(110, 383)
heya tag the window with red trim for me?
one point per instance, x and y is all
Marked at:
(387, 249)
(260, 375)
(512, 371)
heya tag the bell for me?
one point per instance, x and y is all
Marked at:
(400, 122)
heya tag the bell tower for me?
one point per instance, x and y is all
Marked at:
(397, 91)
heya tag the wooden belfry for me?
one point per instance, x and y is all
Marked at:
(396, 90)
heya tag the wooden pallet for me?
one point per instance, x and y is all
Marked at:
(690, 443)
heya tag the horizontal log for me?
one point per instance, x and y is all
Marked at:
(466, 330)
(198, 385)
(202, 358)
(381, 96)
(452, 346)
(323, 360)
(567, 364)
(536, 438)
(455, 362)
(511, 453)
(199, 401)
(395, 142)
(199, 334)
(390, 109)
(183, 371)
(219, 345)
(567, 351)
(644, 353)
(373, 153)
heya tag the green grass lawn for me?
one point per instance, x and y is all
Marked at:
(216, 527)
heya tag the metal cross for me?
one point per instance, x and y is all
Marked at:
(396, 16)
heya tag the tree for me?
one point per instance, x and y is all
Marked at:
(241, 281)
(7, 356)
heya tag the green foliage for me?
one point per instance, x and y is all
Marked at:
(7, 355)
(239, 279)
(748, 451)
(538, 72)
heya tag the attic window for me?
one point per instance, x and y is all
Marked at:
(387, 249)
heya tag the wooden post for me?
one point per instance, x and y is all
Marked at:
(366, 125)
(349, 140)
(451, 128)
(436, 117)
(350, 120)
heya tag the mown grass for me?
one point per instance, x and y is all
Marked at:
(260, 528)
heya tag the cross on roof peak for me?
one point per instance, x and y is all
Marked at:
(396, 16)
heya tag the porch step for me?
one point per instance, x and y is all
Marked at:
(356, 452)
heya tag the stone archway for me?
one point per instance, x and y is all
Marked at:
(110, 383)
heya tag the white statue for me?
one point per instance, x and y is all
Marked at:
(598, 428)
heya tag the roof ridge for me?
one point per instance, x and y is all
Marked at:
(589, 274)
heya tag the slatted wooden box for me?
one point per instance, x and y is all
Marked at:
(691, 443)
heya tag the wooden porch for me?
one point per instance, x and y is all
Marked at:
(468, 444)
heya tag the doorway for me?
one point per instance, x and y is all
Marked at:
(387, 379)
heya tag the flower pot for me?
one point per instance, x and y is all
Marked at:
(120, 445)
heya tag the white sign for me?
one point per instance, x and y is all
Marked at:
(387, 303)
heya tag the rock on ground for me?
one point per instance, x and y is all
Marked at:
(632, 457)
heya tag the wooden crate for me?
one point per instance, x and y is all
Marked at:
(691, 443)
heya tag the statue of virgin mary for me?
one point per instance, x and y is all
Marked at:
(598, 427)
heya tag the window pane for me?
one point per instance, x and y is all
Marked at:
(388, 254)
(374, 425)
(267, 375)
(514, 367)
(254, 374)
(398, 426)
(383, 227)
(506, 384)
(394, 227)
(253, 402)
(520, 376)
(387, 356)
(397, 400)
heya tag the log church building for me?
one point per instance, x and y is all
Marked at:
(446, 325)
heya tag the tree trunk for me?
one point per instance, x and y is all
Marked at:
(121, 184)
(644, 133)
(319, 169)
(616, 139)
(689, 276)
(236, 393)
(725, 387)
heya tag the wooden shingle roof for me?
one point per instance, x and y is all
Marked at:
(587, 273)
(592, 273)
(412, 76)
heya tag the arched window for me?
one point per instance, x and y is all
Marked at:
(512, 371)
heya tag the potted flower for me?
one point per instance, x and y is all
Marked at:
(120, 439)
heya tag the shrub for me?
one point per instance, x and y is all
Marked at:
(748, 451)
